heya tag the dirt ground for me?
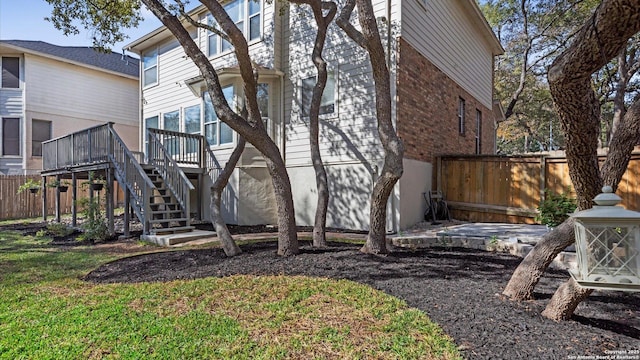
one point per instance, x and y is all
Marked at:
(458, 288)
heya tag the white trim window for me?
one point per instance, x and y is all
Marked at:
(11, 136)
(10, 72)
(461, 112)
(150, 68)
(328, 101)
(40, 132)
(239, 11)
(192, 125)
(216, 132)
(152, 122)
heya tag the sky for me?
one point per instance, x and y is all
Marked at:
(24, 20)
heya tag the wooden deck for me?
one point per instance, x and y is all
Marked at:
(157, 187)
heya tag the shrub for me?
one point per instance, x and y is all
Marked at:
(555, 208)
(95, 226)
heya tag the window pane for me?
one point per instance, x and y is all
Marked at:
(192, 119)
(210, 132)
(150, 76)
(151, 123)
(150, 59)
(10, 136)
(213, 44)
(254, 7)
(226, 134)
(226, 46)
(172, 121)
(209, 113)
(40, 131)
(11, 72)
(254, 27)
(307, 93)
(263, 99)
(235, 10)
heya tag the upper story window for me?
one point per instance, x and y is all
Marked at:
(461, 111)
(10, 72)
(150, 68)
(246, 15)
(327, 104)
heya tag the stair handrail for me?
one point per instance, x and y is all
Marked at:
(174, 178)
(210, 164)
(129, 172)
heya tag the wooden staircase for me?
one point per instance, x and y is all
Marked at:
(158, 192)
(165, 210)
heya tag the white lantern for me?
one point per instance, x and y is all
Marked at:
(607, 245)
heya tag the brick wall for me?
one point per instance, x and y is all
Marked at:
(427, 111)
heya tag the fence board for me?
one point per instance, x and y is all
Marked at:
(28, 205)
(509, 189)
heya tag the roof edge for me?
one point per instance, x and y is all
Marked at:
(496, 46)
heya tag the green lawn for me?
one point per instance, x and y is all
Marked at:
(46, 312)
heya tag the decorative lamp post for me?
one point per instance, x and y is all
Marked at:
(607, 245)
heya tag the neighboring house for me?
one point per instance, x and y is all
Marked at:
(48, 91)
(441, 59)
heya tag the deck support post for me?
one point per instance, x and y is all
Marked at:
(109, 201)
(74, 198)
(44, 198)
(127, 211)
(200, 197)
(57, 199)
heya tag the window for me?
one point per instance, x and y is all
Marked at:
(246, 15)
(10, 72)
(478, 131)
(192, 125)
(40, 132)
(149, 123)
(11, 136)
(461, 111)
(150, 67)
(172, 121)
(263, 105)
(327, 103)
(217, 132)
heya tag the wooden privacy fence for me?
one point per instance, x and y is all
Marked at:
(28, 205)
(490, 188)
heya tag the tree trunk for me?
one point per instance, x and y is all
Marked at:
(599, 40)
(532, 268)
(250, 127)
(565, 301)
(228, 245)
(322, 184)
(392, 169)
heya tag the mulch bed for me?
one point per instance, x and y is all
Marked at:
(458, 288)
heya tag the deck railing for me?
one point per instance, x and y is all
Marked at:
(174, 178)
(130, 173)
(184, 148)
(80, 148)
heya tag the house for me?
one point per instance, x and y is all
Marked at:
(47, 91)
(441, 56)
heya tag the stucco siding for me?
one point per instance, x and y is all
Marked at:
(59, 88)
(415, 181)
(443, 32)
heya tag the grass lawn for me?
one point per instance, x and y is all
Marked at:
(46, 312)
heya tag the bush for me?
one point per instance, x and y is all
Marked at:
(555, 208)
(95, 226)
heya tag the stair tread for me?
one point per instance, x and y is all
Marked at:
(156, 221)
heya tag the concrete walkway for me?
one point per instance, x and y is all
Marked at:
(516, 239)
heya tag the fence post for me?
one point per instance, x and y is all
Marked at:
(44, 198)
(543, 176)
